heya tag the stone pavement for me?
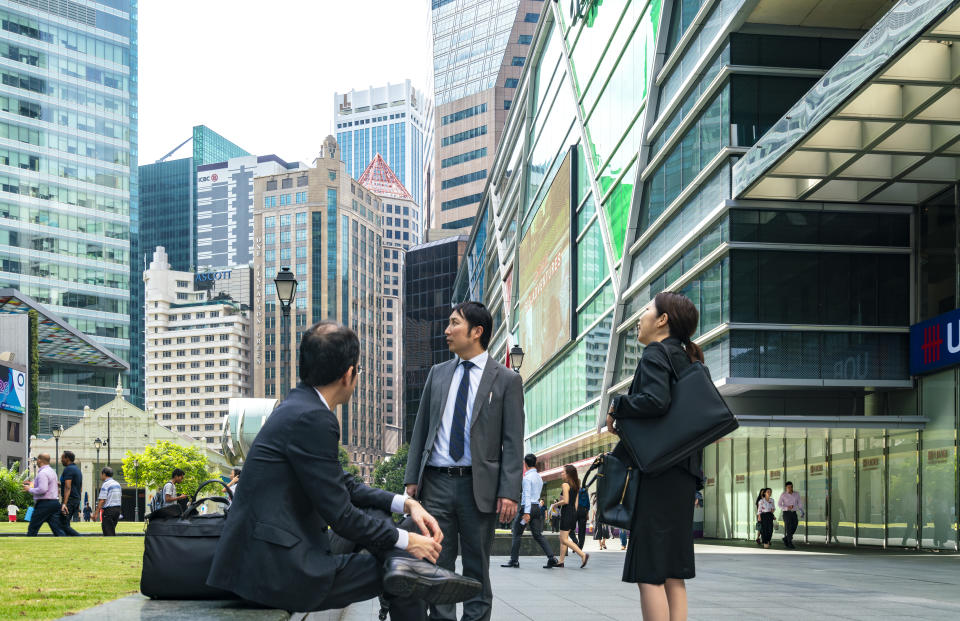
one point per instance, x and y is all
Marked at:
(739, 581)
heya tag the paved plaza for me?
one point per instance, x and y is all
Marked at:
(735, 582)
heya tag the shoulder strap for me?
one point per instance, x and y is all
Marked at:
(666, 351)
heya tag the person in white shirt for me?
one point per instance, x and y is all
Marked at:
(530, 514)
(170, 496)
(765, 516)
(12, 512)
(790, 504)
(108, 503)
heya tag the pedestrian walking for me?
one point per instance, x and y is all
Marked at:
(555, 517)
(569, 490)
(87, 511)
(108, 503)
(623, 538)
(601, 532)
(12, 512)
(660, 550)
(765, 515)
(790, 505)
(583, 511)
(71, 482)
(530, 514)
(234, 482)
(46, 498)
(170, 495)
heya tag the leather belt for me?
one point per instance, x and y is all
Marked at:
(453, 471)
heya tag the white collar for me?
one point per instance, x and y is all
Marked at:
(479, 361)
(325, 404)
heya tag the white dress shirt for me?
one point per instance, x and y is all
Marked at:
(440, 456)
(396, 505)
(532, 486)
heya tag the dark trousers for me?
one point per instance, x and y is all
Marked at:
(73, 507)
(555, 524)
(111, 515)
(45, 511)
(536, 529)
(581, 529)
(790, 523)
(766, 527)
(467, 531)
(360, 575)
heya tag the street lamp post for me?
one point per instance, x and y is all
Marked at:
(516, 357)
(97, 444)
(56, 441)
(286, 283)
(136, 490)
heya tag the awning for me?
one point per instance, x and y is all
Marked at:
(58, 341)
(881, 126)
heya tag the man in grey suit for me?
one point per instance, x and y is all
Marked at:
(466, 452)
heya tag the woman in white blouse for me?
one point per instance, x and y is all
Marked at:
(765, 509)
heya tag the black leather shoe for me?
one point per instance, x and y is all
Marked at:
(553, 562)
(511, 564)
(416, 579)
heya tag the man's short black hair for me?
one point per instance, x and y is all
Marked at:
(531, 460)
(790, 483)
(327, 350)
(107, 470)
(476, 314)
(70, 456)
(236, 472)
(177, 472)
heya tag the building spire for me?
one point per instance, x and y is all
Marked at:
(119, 388)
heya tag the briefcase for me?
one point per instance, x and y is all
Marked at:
(178, 549)
(698, 416)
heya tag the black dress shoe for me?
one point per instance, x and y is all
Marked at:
(417, 579)
(511, 564)
(552, 563)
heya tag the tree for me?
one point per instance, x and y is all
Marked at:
(347, 467)
(156, 463)
(33, 381)
(388, 474)
(11, 488)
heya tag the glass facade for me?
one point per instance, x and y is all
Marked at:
(68, 195)
(805, 306)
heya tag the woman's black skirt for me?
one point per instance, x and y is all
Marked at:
(661, 533)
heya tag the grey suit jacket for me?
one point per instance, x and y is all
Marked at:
(496, 431)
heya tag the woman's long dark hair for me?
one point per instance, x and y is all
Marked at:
(574, 480)
(682, 319)
(760, 496)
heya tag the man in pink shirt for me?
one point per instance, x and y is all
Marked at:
(790, 503)
(46, 498)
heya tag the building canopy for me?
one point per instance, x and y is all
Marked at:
(881, 126)
(58, 341)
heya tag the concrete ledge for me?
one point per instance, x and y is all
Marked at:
(145, 609)
(528, 547)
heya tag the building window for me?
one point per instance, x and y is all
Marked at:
(269, 201)
(517, 61)
(465, 135)
(284, 199)
(269, 222)
(462, 179)
(301, 217)
(463, 114)
(525, 39)
(506, 103)
(460, 202)
(302, 181)
(286, 183)
(511, 83)
(531, 18)
(332, 174)
(271, 185)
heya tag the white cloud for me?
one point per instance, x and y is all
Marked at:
(263, 74)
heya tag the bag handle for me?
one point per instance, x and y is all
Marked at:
(208, 482)
(595, 466)
(195, 504)
(669, 358)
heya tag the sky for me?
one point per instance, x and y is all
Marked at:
(263, 74)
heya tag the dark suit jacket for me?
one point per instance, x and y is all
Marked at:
(274, 549)
(496, 431)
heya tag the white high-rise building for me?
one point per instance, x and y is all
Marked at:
(197, 347)
(391, 120)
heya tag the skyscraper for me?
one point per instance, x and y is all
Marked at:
(390, 120)
(399, 216)
(68, 197)
(479, 49)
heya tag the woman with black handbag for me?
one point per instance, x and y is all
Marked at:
(660, 552)
(765, 515)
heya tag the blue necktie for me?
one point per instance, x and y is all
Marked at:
(457, 433)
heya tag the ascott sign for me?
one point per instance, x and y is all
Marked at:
(935, 343)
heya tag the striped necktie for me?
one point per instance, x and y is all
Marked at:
(457, 433)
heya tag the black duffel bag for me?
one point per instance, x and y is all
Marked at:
(616, 479)
(698, 416)
(178, 549)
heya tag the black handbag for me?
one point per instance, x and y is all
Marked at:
(698, 416)
(178, 549)
(616, 481)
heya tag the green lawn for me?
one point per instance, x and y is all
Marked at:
(80, 527)
(48, 577)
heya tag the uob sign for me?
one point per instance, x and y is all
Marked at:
(935, 343)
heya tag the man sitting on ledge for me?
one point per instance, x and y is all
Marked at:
(275, 549)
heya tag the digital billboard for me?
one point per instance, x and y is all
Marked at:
(13, 390)
(544, 276)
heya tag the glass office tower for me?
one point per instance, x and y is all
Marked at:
(794, 173)
(68, 161)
